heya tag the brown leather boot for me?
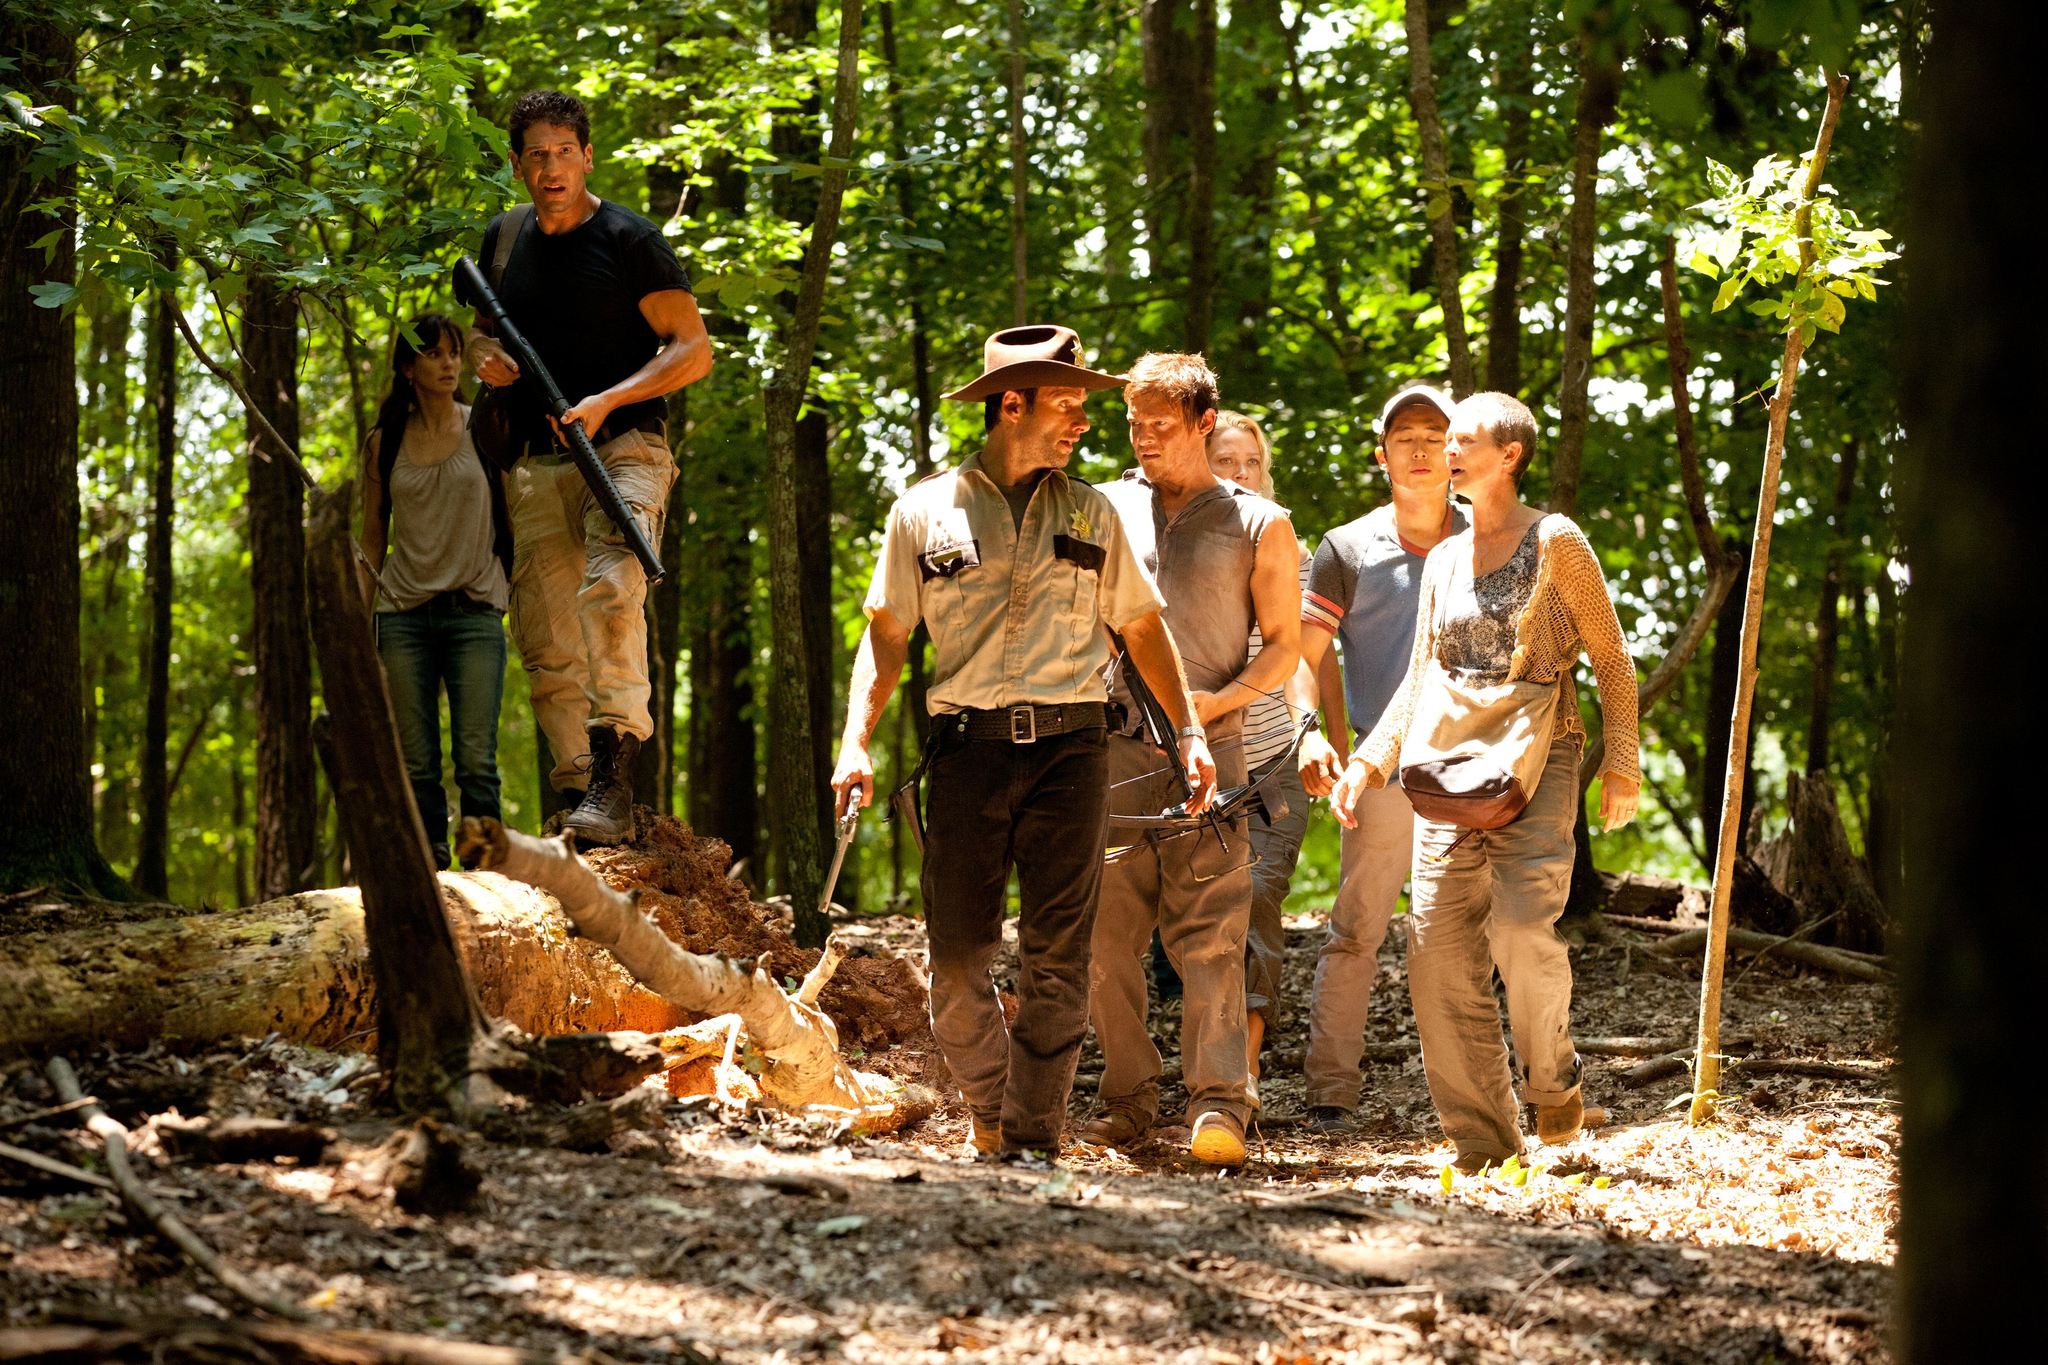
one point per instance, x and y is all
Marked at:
(605, 815)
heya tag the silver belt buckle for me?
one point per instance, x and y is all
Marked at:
(1023, 725)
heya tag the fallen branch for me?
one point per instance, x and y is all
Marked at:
(1645, 1047)
(1842, 962)
(138, 1198)
(52, 1112)
(1826, 1071)
(798, 1039)
(36, 1161)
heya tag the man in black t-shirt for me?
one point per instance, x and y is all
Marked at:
(600, 294)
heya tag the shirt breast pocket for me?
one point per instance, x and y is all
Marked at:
(949, 560)
(1078, 574)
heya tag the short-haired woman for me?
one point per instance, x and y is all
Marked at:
(1515, 597)
(1239, 451)
(441, 589)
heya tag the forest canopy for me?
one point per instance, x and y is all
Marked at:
(278, 188)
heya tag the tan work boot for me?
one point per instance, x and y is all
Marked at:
(984, 1139)
(1113, 1128)
(1559, 1123)
(1218, 1139)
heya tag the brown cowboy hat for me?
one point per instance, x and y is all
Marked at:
(1033, 357)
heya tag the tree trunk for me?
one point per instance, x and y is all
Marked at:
(1724, 666)
(1514, 92)
(798, 802)
(1826, 621)
(44, 764)
(1437, 198)
(1811, 862)
(1201, 315)
(1598, 81)
(1707, 1057)
(287, 845)
(1020, 246)
(110, 672)
(1252, 64)
(1168, 76)
(151, 874)
(428, 1018)
(1973, 1222)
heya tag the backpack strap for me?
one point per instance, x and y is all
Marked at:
(516, 219)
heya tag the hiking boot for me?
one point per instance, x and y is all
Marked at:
(605, 815)
(1113, 1128)
(1559, 1123)
(1218, 1139)
(1472, 1163)
(1327, 1118)
(984, 1139)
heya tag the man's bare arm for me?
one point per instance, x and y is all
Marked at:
(877, 665)
(1276, 602)
(1318, 682)
(1150, 646)
(684, 358)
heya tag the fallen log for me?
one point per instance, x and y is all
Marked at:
(77, 977)
(1646, 1047)
(1840, 961)
(63, 1170)
(797, 1039)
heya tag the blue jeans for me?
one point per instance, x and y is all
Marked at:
(452, 642)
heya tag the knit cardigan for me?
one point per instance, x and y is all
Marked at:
(1568, 612)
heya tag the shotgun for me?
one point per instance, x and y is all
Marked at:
(472, 289)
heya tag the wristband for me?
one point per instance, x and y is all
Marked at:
(1194, 732)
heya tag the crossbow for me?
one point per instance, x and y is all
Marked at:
(1128, 833)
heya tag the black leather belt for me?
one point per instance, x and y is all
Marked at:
(1025, 724)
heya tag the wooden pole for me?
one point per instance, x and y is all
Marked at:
(1707, 1054)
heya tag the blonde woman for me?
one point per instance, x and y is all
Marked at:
(1515, 597)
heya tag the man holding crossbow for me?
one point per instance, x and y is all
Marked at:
(1225, 559)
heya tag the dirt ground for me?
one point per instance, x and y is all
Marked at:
(758, 1238)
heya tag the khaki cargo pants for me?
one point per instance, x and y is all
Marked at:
(1492, 903)
(578, 595)
(1198, 894)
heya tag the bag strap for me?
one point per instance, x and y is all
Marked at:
(516, 219)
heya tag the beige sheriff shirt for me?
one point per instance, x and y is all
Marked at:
(1016, 614)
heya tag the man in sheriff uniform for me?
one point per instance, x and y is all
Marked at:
(1016, 569)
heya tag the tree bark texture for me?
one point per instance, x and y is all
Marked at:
(1178, 42)
(1436, 196)
(110, 673)
(1598, 81)
(287, 845)
(796, 1036)
(1020, 242)
(1514, 88)
(151, 873)
(44, 764)
(1252, 109)
(796, 794)
(1201, 316)
(1724, 667)
(1973, 1246)
(1707, 1058)
(427, 1013)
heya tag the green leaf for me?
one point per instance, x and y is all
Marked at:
(53, 295)
(1730, 287)
(1703, 263)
